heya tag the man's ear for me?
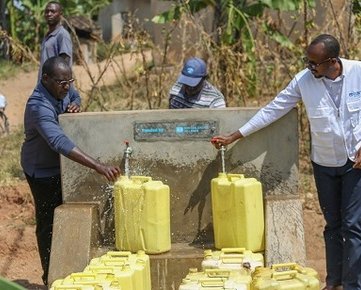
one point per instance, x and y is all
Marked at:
(45, 78)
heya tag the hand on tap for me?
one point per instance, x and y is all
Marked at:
(220, 140)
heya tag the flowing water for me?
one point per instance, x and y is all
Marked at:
(223, 150)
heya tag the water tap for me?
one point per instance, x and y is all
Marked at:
(128, 150)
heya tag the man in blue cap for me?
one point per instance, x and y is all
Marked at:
(192, 90)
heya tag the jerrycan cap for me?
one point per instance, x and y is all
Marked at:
(207, 253)
(222, 175)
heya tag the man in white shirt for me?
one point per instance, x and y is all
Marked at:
(330, 88)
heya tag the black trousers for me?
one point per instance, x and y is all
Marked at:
(47, 196)
(339, 194)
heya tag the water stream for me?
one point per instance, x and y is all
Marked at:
(223, 150)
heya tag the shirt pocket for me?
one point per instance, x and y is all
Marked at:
(320, 119)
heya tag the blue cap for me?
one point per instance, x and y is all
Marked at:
(193, 71)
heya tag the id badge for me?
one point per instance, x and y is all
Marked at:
(353, 101)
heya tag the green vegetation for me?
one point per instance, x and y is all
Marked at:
(9, 69)
(10, 145)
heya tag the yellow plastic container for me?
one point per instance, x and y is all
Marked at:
(142, 215)
(284, 267)
(216, 279)
(86, 280)
(232, 259)
(139, 262)
(238, 217)
(123, 274)
(282, 280)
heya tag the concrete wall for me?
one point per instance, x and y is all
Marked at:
(187, 164)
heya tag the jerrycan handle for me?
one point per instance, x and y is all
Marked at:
(234, 176)
(233, 250)
(140, 179)
(107, 259)
(217, 273)
(212, 282)
(68, 287)
(119, 254)
(111, 263)
(286, 275)
(284, 266)
(102, 269)
(82, 275)
(235, 260)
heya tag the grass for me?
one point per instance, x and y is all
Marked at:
(10, 168)
(9, 69)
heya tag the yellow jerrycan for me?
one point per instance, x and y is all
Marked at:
(142, 215)
(139, 262)
(283, 267)
(237, 208)
(285, 280)
(232, 259)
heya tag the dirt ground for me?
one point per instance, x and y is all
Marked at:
(19, 260)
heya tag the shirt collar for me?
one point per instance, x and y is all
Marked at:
(47, 95)
(55, 31)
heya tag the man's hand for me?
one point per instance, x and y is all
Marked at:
(111, 173)
(73, 108)
(358, 159)
(219, 141)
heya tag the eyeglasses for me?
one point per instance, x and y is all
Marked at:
(62, 83)
(312, 64)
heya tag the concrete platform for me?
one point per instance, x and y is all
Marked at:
(168, 269)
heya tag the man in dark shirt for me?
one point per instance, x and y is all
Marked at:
(44, 141)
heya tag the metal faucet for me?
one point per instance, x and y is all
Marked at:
(128, 150)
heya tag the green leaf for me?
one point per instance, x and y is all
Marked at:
(254, 10)
(287, 5)
(277, 36)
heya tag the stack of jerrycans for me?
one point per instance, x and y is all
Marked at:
(142, 215)
(112, 271)
(132, 271)
(216, 279)
(237, 208)
(285, 276)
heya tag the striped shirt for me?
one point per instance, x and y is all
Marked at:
(209, 97)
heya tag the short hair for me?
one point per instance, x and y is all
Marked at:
(52, 63)
(332, 46)
(56, 3)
